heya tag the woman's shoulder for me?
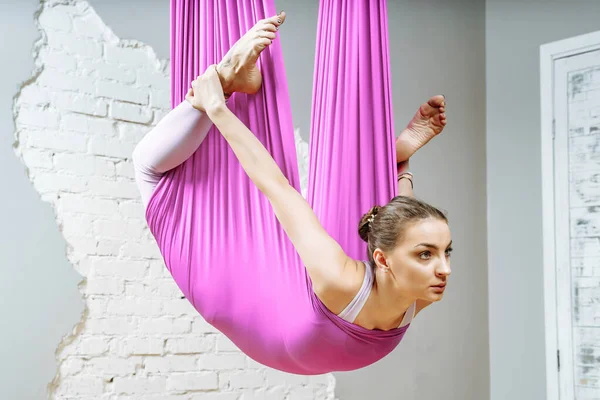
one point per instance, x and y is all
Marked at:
(337, 295)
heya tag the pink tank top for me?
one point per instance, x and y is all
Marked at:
(356, 305)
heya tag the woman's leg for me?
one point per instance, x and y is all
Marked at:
(172, 141)
(177, 136)
(428, 122)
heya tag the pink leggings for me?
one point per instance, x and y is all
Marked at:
(172, 141)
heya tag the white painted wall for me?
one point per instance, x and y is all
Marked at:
(438, 46)
(39, 300)
(514, 31)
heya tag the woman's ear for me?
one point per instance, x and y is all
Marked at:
(380, 260)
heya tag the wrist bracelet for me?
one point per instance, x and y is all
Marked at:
(407, 175)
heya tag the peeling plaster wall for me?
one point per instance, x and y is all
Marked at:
(90, 99)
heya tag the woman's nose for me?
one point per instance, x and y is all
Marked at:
(444, 268)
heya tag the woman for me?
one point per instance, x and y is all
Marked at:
(349, 313)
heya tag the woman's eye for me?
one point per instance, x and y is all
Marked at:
(425, 255)
(448, 252)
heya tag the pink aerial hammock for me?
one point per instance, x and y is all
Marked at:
(217, 232)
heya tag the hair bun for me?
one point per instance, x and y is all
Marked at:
(364, 226)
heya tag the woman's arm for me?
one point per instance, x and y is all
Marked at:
(322, 256)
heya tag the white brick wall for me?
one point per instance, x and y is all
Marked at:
(90, 99)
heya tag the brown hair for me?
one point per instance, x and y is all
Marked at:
(383, 227)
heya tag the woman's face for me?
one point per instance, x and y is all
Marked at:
(420, 263)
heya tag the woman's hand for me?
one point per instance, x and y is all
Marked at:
(206, 93)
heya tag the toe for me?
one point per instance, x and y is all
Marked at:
(437, 101)
(276, 20)
(267, 34)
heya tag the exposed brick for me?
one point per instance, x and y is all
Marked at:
(155, 80)
(38, 117)
(139, 345)
(57, 141)
(178, 307)
(56, 18)
(100, 69)
(126, 55)
(226, 345)
(215, 396)
(148, 251)
(170, 363)
(105, 286)
(121, 189)
(193, 381)
(118, 91)
(247, 380)
(81, 385)
(58, 80)
(160, 99)
(276, 393)
(72, 45)
(108, 247)
(112, 326)
(132, 209)
(140, 385)
(110, 366)
(81, 103)
(85, 165)
(302, 393)
(131, 112)
(84, 244)
(131, 132)
(41, 159)
(125, 169)
(34, 95)
(71, 366)
(88, 125)
(92, 346)
(77, 203)
(58, 60)
(164, 325)
(134, 306)
(109, 266)
(189, 345)
(221, 361)
(158, 269)
(96, 306)
(110, 147)
(53, 182)
(90, 25)
(275, 377)
(201, 326)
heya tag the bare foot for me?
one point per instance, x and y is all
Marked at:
(428, 122)
(238, 71)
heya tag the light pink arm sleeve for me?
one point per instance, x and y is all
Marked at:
(172, 141)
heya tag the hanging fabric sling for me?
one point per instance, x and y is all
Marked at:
(217, 232)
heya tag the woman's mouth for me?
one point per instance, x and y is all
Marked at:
(439, 288)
